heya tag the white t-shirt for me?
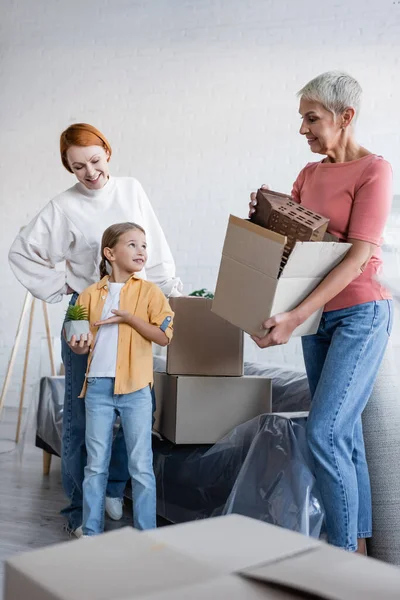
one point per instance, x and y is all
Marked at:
(105, 350)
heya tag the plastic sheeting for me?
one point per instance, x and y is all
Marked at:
(262, 469)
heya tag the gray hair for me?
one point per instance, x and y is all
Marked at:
(335, 90)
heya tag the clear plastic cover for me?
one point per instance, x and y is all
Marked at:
(261, 470)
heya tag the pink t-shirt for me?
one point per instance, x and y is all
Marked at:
(356, 197)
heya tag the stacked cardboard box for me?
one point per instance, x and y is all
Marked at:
(203, 395)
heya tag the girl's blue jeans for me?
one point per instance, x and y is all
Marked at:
(135, 411)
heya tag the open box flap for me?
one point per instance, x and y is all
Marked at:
(254, 246)
(328, 573)
(314, 259)
(233, 542)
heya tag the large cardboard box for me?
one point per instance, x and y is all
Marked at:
(249, 287)
(232, 543)
(202, 410)
(257, 560)
(226, 557)
(111, 566)
(203, 343)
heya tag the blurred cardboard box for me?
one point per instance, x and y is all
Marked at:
(224, 557)
(108, 566)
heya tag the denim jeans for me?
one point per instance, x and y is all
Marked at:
(73, 459)
(342, 361)
(135, 411)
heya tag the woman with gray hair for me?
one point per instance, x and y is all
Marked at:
(353, 188)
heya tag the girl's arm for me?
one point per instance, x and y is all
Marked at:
(151, 332)
(81, 346)
(159, 327)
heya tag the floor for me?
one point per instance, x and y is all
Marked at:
(29, 502)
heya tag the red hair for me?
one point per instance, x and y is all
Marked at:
(81, 134)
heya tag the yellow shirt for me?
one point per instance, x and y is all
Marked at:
(135, 356)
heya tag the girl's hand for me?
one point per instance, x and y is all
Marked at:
(280, 328)
(121, 316)
(253, 200)
(81, 346)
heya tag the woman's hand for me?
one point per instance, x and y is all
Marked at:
(121, 316)
(81, 346)
(69, 291)
(253, 200)
(280, 329)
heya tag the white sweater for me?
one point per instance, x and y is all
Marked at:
(70, 227)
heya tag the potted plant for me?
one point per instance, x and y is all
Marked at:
(76, 322)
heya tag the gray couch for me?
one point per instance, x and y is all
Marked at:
(381, 422)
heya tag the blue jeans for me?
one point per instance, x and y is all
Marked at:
(73, 459)
(135, 411)
(342, 361)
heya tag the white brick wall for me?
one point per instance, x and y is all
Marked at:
(198, 101)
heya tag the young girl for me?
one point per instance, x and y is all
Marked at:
(127, 314)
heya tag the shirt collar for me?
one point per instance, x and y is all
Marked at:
(104, 282)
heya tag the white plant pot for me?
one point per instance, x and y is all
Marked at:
(76, 328)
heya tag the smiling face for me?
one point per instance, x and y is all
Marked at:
(321, 127)
(129, 255)
(90, 165)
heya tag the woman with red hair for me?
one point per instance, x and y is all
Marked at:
(69, 229)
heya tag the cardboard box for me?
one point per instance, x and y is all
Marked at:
(232, 543)
(276, 563)
(202, 410)
(225, 557)
(249, 287)
(330, 573)
(279, 213)
(230, 587)
(115, 565)
(203, 343)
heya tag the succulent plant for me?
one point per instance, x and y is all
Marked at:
(203, 293)
(76, 313)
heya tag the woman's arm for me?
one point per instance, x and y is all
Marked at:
(283, 325)
(36, 251)
(337, 280)
(160, 266)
